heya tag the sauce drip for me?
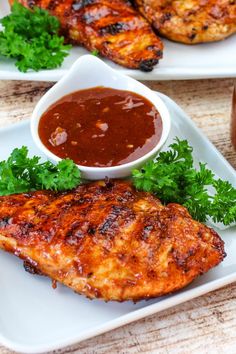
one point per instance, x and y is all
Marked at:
(101, 127)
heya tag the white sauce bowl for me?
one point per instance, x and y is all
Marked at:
(87, 72)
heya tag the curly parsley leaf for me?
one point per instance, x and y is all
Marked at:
(19, 174)
(32, 38)
(173, 178)
(95, 52)
(224, 199)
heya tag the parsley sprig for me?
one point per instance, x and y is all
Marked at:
(19, 174)
(173, 178)
(32, 38)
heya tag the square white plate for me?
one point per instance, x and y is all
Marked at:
(210, 60)
(35, 318)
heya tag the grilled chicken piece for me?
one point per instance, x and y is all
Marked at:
(191, 21)
(112, 27)
(108, 241)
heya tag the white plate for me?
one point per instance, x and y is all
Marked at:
(180, 62)
(35, 318)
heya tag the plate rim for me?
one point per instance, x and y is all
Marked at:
(135, 315)
(164, 74)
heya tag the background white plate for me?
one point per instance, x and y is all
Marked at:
(180, 62)
(35, 318)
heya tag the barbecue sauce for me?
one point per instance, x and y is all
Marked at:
(101, 127)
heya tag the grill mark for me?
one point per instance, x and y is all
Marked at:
(113, 28)
(97, 13)
(117, 211)
(80, 201)
(73, 226)
(80, 4)
(166, 17)
(110, 220)
(53, 4)
(78, 231)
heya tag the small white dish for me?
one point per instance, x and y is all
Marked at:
(87, 72)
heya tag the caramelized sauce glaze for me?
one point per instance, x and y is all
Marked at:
(101, 127)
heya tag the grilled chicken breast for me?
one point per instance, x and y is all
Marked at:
(191, 21)
(108, 241)
(112, 27)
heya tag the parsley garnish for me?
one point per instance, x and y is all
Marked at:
(19, 174)
(95, 52)
(31, 37)
(172, 177)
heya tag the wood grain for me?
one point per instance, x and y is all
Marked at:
(203, 325)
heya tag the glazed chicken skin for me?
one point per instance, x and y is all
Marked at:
(191, 21)
(108, 241)
(112, 27)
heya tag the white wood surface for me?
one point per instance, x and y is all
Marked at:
(203, 325)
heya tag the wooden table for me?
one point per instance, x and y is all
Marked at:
(203, 325)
